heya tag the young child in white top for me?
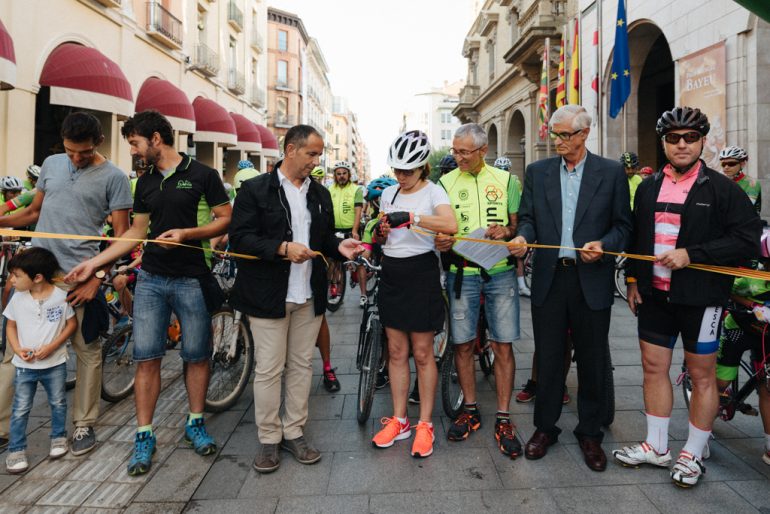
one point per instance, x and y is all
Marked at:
(39, 323)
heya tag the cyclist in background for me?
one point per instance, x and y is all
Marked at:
(348, 201)
(246, 171)
(373, 192)
(630, 162)
(733, 160)
(752, 294)
(504, 163)
(15, 202)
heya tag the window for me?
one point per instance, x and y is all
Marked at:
(337, 138)
(491, 55)
(283, 73)
(202, 27)
(283, 40)
(446, 135)
(446, 117)
(254, 70)
(281, 110)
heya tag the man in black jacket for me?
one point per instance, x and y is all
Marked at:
(287, 221)
(575, 200)
(687, 213)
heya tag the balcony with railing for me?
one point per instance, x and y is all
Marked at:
(285, 120)
(464, 109)
(256, 40)
(235, 16)
(206, 61)
(163, 26)
(236, 81)
(257, 96)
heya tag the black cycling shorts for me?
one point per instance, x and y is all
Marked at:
(661, 323)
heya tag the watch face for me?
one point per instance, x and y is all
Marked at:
(100, 274)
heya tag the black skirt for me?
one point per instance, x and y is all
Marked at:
(410, 296)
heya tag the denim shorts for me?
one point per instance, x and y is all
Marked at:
(155, 297)
(501, 307)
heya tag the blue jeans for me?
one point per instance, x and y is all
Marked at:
(155, 297)
(25, 384)
(501, 307)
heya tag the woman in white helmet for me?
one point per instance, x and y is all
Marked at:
(410, 302)
(733, 160)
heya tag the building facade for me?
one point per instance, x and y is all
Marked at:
(431, 112)
(317, 97)
(200, 62)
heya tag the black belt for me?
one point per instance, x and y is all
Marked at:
(566, 262)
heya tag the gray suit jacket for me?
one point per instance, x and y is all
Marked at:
(603, 214)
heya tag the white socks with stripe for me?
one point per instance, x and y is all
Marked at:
(657, 433)
(697, 440)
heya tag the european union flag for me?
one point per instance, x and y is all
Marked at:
(620, 78)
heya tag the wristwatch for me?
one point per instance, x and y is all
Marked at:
(416, 220)
(100, 274)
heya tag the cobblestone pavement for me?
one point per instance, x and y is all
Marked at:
(471, 476)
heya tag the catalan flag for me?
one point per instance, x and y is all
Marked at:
(561, 85)
(574, 83)
(620, 74)
(542, 103)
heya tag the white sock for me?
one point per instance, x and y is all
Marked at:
(657, 433)
(521, 282)
(697, 439)
(403, 421)
(767, 442)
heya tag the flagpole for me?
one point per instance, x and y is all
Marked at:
(625, 118)
(548, 92)
(599, 85)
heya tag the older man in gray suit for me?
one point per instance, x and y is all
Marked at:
(574, 200)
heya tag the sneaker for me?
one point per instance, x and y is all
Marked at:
(414, 396)
(16, 462)
(331, 383)
(687, 470)
(642, 453)
(83, 440)
(527, 394)
(122, 322)
(58, 447)
(195, 435)
(766, 457)
(302, 451)
(3, 443)
(565, 399)
(507, 440)
(423, 440)
(382, 379)
(267, 460)
(463, 426)
(363, 301)
(392, 431)
(144, 448)
(524, 291)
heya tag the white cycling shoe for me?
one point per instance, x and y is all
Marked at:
(642, 453)
(687, 470)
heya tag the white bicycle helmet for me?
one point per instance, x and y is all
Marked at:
(408, 151)
(33, 171)
(733, 152)
(11, 184)
(503, 163)
(343, 164)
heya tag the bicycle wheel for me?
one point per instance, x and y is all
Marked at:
(118, 365)
(72, 367)
(451, 392)
(370, 365)
(686, 382)
(528, 258)
(335, 302)
(371, 276)
(487, 356)
(620, 277)
(441, 338)
(232, 359)
(608, 408)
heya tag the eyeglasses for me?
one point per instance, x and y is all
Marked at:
(464, 153)
(725, 164)
(673, 138)
(406, 173)
(564, 136)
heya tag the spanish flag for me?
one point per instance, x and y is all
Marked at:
(574, 83)
(561, 86)
(542, 103)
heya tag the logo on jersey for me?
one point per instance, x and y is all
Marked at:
(463, 194)
(184, 184)
(493, 193)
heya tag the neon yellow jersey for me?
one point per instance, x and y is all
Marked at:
(242, 176)
(633, 183)
(482, 199)
(345, 200)
(368, 236)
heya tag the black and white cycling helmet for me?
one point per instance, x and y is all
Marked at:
(33, 171)
(683, 118)
(733, 152)
(410, 150)
(629, 160)
(343, 164)
(11, 184)
(503, 163)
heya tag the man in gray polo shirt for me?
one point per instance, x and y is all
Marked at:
(76, 192)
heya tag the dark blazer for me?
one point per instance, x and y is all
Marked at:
(261, 221)
(603, 214)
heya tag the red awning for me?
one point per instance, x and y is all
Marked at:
(84, 77)
(213, 124)
(249, 139)
(169, 100)
(7, 60)
(269, 142)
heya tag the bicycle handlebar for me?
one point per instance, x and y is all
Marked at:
(363, 261)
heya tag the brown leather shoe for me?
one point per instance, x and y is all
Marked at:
(538, 444)
(267, 460)
(594, 455)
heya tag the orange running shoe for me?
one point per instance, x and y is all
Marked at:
(392, 431)
(423, 440)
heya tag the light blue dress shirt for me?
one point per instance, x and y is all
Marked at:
(570, 189)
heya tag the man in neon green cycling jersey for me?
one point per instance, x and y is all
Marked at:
(348, 202)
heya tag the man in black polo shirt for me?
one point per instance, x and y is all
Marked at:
(174, 200)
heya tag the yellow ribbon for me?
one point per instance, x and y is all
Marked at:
(723, 270)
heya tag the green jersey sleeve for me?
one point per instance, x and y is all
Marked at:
(514, 194)
(368, 236)
(359, 198)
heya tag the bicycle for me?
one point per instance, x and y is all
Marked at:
(371, 340)
(337, 282)
(620, 276)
